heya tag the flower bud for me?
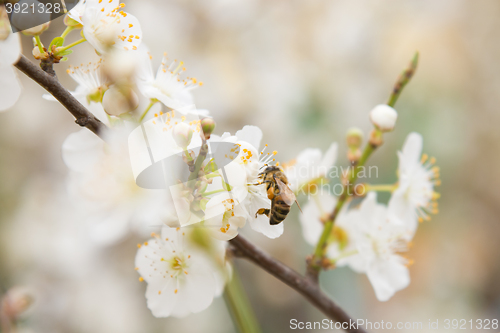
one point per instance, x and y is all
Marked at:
(119, 101)
(15, 302)
(38, 30)
(69, 22)
(208, 126)
(38, 55)
(384, 117)
(120, 67)
(182, 134)
(354, 137)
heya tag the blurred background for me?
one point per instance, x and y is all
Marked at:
(303, 71)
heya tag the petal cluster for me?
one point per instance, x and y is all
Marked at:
(106, 25)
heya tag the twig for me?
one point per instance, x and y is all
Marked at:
(403, 80)
(83, 117)
(306, 287)
(314, 264)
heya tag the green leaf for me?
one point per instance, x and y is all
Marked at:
(64, 53)
(58, 42)
(64, 59)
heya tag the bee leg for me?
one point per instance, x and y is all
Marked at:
(263, 211)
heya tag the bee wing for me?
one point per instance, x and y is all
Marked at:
(298, 205)
(285, 192)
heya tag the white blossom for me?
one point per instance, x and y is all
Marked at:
(106, 25)
(414, 199)
(91, 87)
(362, 238)
(167, 86)
(378, 241)
(252, 194)
(91, 83)
(181, 277)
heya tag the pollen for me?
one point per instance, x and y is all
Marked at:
(176, 291)
(141, 279)
(130, 25)
(139, 245)
(159, 292)
(145, 243)
(137, 268)
(275, 152)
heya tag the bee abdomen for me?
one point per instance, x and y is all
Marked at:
(279, 211)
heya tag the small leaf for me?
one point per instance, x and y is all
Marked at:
(58, 42)
(64, 53)
(64, 59)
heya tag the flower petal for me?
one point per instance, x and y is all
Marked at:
(329, 158)
(250, 134)
(161, 296)
(10, 50)
(200, 287)
(401, 211)
(10, 87)
(388, 276)
(412, 148)
(312, 212)
(81, 150)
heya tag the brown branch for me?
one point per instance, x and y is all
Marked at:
(83, 117)
(306, 287)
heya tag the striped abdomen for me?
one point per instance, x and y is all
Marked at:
(279, 210)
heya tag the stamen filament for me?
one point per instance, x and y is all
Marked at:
(153, 101)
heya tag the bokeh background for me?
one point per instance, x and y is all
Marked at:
(303, 71)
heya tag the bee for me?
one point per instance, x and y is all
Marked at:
(281, 196)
